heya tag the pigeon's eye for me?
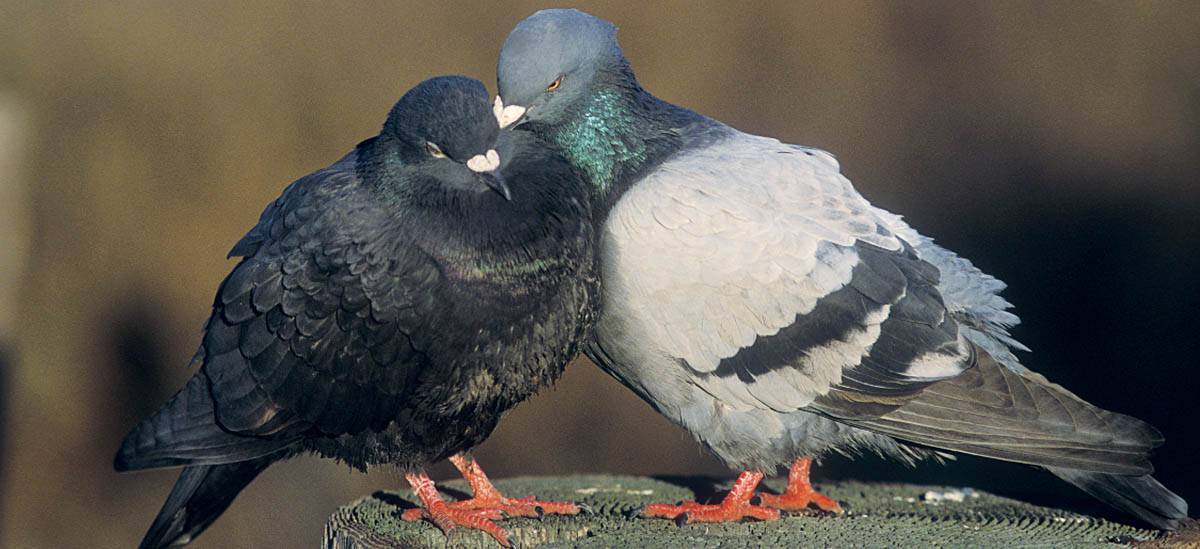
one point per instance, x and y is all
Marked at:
(434, 150)
(554, 85)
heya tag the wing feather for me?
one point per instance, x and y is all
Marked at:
(773, 292)
(714, 257)
(993, 411)
(306, 331)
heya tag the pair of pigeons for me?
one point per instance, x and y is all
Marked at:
(389, 308)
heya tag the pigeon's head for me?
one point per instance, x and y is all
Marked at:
(552, 61)
(442, 133)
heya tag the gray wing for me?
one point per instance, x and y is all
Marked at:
(973, 298)
(774, 285)
(771, 281)
(754, 271)
(993, 411)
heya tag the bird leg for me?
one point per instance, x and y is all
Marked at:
(799, 492)
(488, 497)
(734, 507)
(446, 517)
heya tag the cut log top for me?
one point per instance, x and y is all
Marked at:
(878, 515)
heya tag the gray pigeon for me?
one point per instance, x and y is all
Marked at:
(753, 297)
(387, 310)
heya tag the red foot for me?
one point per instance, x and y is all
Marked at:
(487, 497)
(445, 517)
(736, 506)
(477, 512)
(799, 492)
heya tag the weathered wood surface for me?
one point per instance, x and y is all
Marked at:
(879, 515)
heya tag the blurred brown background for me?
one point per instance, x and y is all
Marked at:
(1055, 144)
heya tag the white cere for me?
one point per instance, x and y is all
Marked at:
(484, 162)
(506, 115)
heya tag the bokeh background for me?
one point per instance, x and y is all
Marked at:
(1055, 144)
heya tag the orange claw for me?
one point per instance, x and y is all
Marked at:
(447, 517)
(736, 506)
(799, 492)
(478, 512)
(487, 497)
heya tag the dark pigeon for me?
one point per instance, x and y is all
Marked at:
(387, 310)
(753, 297)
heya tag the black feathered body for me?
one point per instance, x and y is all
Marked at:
(376, 332)
(388, 309)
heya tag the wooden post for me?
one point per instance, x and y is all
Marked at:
(878, 515)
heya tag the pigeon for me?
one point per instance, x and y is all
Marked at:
(756, 299)
(387, 310)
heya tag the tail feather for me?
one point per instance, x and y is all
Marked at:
(185, 432)
(993, 411)
(200, 495)
(1141, 496)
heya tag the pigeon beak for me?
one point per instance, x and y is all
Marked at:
(488, 167)
(496, 182)
(506, 115)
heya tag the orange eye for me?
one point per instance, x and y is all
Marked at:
(554, 85)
